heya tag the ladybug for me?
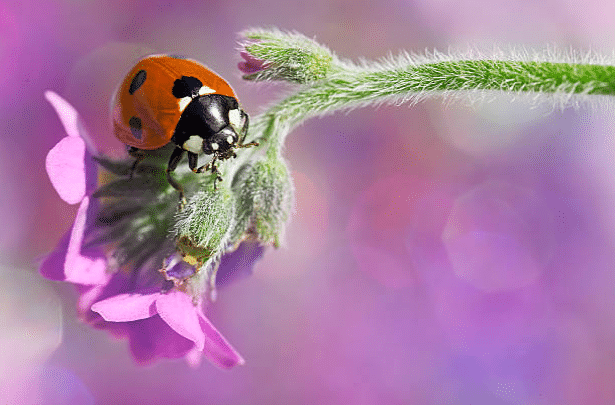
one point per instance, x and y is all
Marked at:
(166, 99)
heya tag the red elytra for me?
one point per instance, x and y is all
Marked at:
(146, 94)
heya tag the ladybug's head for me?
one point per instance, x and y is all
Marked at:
(222, 142)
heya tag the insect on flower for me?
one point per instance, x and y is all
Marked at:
(114, 252)
(145, 271)
(167, 99)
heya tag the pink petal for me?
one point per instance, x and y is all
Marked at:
(194, 357)
(127, 307)
(178, 311)
(65, 166)
(151, 339)
(217, 349)
(251, 64)
(88, 296)
(78, 268)
(52, 267)
(67, 113)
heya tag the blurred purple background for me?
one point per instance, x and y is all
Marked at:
(439, 254)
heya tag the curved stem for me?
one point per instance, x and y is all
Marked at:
(352, 86)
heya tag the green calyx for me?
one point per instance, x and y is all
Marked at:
(202, 227)
(256, 206)
(264, 192)
(288, 56)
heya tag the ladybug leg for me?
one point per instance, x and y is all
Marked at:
(214, 169)
(247, 145)
(244, 132)
(139, 155)
(176, 156)
(193, 162)
(246, 124)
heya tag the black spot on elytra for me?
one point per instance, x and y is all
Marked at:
(137, 81)
(187, 86)
(136, 127)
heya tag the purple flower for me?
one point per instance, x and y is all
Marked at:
(150, 338)
(250, 65)
(130, 298)
(177, 311)
(73, 174)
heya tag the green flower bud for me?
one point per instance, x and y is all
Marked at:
(286, 56)
(202, 228)
(264, 192)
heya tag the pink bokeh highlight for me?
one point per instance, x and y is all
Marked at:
(499, 236)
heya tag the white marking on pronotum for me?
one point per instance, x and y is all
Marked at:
(206, 90)
(194, 144)
(214, 146)
(183, 103)
(229, 140)
(234, 117)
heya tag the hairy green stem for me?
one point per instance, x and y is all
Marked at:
(351, 86)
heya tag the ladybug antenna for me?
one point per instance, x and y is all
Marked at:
(187, 86)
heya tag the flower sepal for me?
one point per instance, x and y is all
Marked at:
(202, 228)
(278, 55)
(265, 193)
